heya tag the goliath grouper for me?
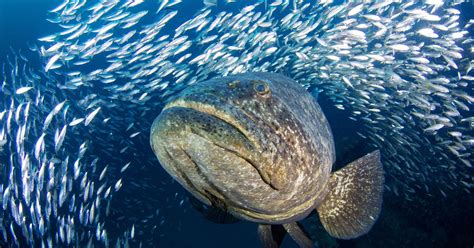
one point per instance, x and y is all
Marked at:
(258, 146)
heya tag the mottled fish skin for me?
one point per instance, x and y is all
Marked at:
(266, 154)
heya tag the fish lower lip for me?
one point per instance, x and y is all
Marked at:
(204, 193)
(212, 192)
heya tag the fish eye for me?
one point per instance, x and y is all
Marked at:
(261, 88)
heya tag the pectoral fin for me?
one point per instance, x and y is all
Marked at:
(355, 197)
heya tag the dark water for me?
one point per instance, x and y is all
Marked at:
(424, 222)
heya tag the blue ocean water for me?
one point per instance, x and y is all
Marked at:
(159, 207)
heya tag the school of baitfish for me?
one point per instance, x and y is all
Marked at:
(403, 69)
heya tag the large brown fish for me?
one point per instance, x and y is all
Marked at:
(258, 146)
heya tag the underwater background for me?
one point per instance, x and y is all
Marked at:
(83, 81)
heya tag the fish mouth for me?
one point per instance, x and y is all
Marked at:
(228, 200)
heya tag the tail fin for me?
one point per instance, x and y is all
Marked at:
(355, 197)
